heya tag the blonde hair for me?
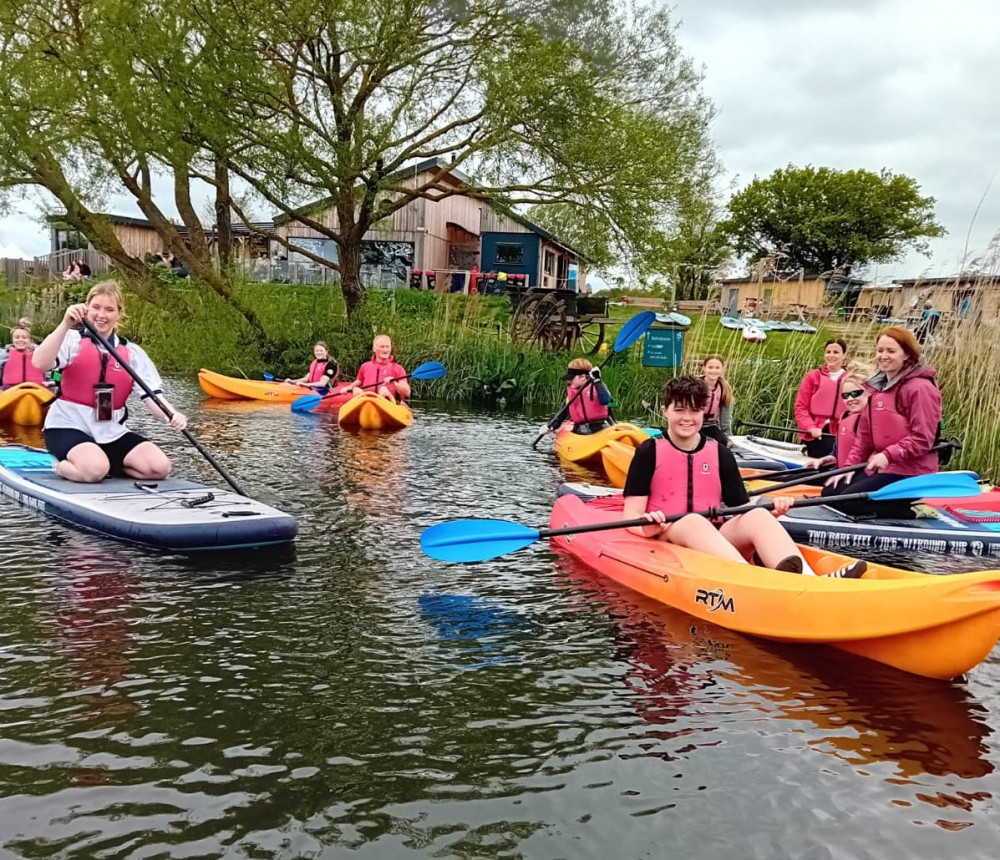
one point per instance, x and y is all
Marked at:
(858, 371)
(580, 364)
(727, 389)
(23, 324)
(109, 289)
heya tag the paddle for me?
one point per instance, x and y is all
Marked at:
(633, 329)
(427, 370)
(479, 540)
(94, 333)
(268, 377)
(775, 427)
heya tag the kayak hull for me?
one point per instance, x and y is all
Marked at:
(172, 515)
(579, 448)
(233, 388)
(370, 411)
(25, 404)
(934, 626)
(338, 396)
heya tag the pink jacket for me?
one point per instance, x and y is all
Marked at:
(916, 397)
(806, 401)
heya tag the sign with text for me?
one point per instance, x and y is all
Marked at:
(663, 347)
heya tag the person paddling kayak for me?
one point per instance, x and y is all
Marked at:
(323, 370)
(17, 365)
(585, 409)
(382, 373)
(686, 471)
(85, 427)
(817, 403)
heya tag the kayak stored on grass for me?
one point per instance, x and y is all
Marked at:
(371, 411)
(172, 514)
(234, 388)
(25, 404)
(935, 626)
(579, 448)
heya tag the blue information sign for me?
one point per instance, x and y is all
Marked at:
(663, 347)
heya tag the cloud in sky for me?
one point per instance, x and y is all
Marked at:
(902, 84)
(861, 84)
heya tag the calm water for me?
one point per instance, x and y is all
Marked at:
(353, 697)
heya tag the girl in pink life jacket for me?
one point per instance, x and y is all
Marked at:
(719, 411)
(854, 399)
(585, 409)
(898, 426)
(17, 367)
(686, 471)
(817, 404)
(85, 427)
(323, 370)
(382, 374)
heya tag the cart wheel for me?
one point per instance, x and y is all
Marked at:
(540, 320)
(590, 336)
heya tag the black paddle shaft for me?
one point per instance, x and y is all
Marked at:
(160, 405)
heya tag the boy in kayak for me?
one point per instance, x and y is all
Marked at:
(686, 471)
(585, 409)
(382, 373)
(85, 427)
(323, 370)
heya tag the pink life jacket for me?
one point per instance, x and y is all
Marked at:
(317, 370)
(847, 435)
(585, 408)
(685, 482)
(823, 403)
(889, 426)
(91, 367)
(713, 410)
(19, 369)
(372, 372)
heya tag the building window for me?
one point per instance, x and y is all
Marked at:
(70, 240)
(549, 262)
(510, 252)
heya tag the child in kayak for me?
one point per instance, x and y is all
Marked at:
(585, 409)
(719, 411)
(16, 364)
(817, 403)
(382, 374)
(323, 371)
(854, 399)
(686, 471)
(85, 427)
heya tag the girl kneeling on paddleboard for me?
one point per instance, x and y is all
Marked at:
(382, 373)
(686, 471)
(585, 409)
(85, 427)
(323, 370)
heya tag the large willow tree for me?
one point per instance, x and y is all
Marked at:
(589, 105)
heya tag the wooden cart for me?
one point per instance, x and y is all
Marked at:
(558, 319)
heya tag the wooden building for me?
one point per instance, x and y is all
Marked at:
(754, 296)
(962, 296)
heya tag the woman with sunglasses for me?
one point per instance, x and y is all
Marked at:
(897, 428)
(817, 402)
(853, 398)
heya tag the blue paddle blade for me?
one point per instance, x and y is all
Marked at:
(475, 540)
(941, 485)
(306, 403)
(653, 432)
(635, 328)
(268, 377)
(429, 370)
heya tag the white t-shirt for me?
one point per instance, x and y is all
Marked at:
(73, 416)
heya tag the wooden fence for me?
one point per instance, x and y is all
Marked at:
(49, 267)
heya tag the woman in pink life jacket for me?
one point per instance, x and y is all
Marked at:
(585, 409)
(898, 426)
(382, 373)
(85, 427)
(323, 370)
(17, 367)
(817, 404)
(686, 471)
(854, 399)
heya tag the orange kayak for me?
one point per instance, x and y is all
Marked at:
(25, 404)
(373, 412)
(233, 388)
(935, 626)
(578, 448)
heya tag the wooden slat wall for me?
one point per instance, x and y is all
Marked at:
(492, 221)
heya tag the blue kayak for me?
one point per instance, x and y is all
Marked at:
(172, 514)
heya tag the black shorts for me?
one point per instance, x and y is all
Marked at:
(61, 440)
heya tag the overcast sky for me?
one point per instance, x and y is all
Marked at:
(910, 86)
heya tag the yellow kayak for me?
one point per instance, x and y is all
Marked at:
(579, 448)
(935, 626)
(25, 404)
(233, 388)
(371, 411)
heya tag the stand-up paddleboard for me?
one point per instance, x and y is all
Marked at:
(753, 334)
(674, 318)
(172, 514)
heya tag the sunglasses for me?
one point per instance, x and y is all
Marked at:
(853, 395)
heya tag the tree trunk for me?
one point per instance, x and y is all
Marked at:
(223, 216)
(350, 274)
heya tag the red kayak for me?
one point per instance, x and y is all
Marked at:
(338, 396)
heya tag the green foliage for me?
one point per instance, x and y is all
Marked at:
(823, 220)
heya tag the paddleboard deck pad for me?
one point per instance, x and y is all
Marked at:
(172, 514)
